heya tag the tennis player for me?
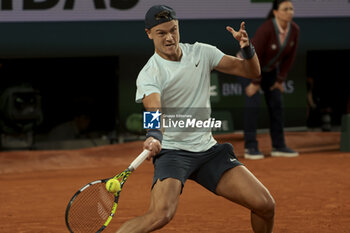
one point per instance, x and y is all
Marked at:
(178, 76)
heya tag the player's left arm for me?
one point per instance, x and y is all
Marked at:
(153, 140)
(248, 67)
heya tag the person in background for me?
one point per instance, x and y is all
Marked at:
(77, 128)
(275, 42)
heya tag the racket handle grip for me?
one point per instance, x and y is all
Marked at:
(139, 159)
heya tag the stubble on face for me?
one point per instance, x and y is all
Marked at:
(166, 38)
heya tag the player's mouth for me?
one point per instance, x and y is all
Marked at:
(169, 45)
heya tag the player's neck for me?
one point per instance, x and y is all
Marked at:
(172, 57)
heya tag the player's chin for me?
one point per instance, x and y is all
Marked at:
(170, 48)
(173, 50)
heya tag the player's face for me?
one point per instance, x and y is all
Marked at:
(285, 11)
(166, 38)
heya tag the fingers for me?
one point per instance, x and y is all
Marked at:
(281, 89)
(252, 89)
(244, 33)
(235, 34)
(249, 93)
(278, 86)
(241, 35)
(230, 29)
(244, 38)
(153, 145)
(274, 86)
(242, 26)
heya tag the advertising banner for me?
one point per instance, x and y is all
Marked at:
(97, 10)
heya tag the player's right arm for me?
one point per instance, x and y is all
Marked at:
(152, 103)
(248, 67)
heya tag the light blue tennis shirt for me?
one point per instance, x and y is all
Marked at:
(184, 87)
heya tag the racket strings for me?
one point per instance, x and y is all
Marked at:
(90, 209)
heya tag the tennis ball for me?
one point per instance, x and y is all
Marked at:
(113, 185)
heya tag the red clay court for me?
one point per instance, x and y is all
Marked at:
(311, 191)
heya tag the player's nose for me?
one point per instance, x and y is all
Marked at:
(169, 37)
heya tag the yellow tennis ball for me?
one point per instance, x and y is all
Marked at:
(113, 186)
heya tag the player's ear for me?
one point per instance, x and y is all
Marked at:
(148, 32)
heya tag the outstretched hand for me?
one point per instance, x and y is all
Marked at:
(241, 35)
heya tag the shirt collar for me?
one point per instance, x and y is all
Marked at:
(281, 30)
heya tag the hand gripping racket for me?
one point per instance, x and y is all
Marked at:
(92, 207)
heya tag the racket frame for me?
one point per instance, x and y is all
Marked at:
(121, 177)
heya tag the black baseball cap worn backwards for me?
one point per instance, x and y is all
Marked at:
(159, 14)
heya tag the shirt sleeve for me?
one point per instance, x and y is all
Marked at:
(213, 54)
(146, 85)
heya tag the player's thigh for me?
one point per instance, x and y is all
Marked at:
(165, 195)
(241, 186)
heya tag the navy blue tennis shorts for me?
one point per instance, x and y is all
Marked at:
(205, 168)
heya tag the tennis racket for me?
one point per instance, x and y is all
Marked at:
(92, 207)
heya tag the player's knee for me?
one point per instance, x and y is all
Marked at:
(270, 208)
(164, 215)
(266, 207)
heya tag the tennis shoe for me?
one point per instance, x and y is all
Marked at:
(284, 152)
(253, 153)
